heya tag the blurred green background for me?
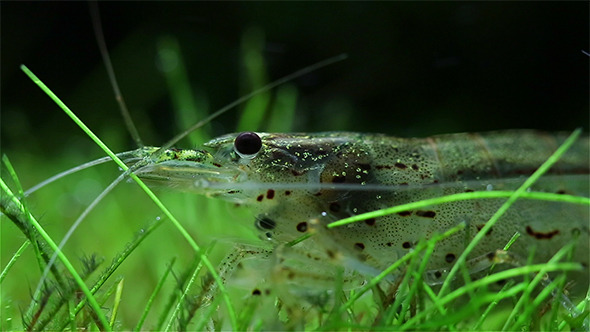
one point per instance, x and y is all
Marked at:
(413, 69)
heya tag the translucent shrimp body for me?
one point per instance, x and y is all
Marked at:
(295, 184)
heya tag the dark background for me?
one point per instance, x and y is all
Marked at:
(413, 68)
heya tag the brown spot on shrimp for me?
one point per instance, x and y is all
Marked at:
(450, 257)
(479, 227)
(330, 253)
(425, 214)
(290, 275)
(365, 167)
(302, 227)
(384, 167)
(338, 179)
(400, 165)
(334, 207)
(540, 235)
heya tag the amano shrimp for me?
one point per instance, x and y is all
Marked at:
(296, 184)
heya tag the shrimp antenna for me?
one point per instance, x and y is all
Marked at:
(123, 155)
(246, 97)
(66, 173)
(98, 33)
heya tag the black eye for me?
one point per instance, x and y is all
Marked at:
(247, 144)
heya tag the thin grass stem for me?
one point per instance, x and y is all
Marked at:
(181, 299)
(13, 259)
(105, 275)
(461, 197)
(142, 185)
(117, 302)
(516, 195)
(65, 261)
(156, 291)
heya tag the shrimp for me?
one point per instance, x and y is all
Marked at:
(297, 184)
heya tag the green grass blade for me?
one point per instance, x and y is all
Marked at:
(256, 77)
(19, 215)
(374, 281)
(117, 261)
(65, 261)
(179, 87)
(72, 315)
(583, 308)
(118, 295)
(185, 291)
(432, 295)
(462, 197)
(533, 283)
(73, 228)
(142, 185)
(282, 113)
(489, 280)
(156, 291)
(13, 259)
(417, 276)
(493, 303)
(516, 195)
(12, 173)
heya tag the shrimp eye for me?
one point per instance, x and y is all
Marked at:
(247, 144)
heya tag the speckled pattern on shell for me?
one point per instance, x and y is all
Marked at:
(298, 183)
